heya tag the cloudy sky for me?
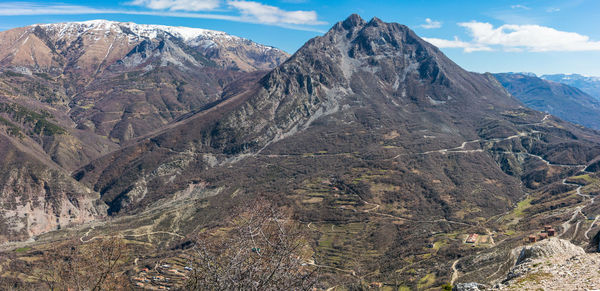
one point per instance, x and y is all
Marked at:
(540, 36)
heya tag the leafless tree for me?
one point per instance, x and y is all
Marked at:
(262, 249)
(92, 266)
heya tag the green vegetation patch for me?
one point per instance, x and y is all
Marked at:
(337, 245)
(521, 206)
(12, 129)
(587, 178)
(426, 281)
(438, 244)
(37, 120)
(12, 74)
(534, 277)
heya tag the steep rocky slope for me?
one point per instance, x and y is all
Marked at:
(37, 196)
(558, 99)
(374, 137)
(42, 127)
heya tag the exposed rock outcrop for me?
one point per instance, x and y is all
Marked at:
(553, 264)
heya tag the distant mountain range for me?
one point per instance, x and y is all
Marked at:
(561, 100)
(590, 85)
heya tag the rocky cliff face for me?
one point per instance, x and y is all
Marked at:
(37, 196)
(553, 264)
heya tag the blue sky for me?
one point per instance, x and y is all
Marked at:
(548, 36)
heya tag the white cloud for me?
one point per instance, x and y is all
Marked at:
(238, 11)
(552, 9)
(429, 24)
(534, 38)
(510, 37)
(178, 5)
(26, 8)
(270, 14)
(250, 11)
(456, 43)
(519, 6)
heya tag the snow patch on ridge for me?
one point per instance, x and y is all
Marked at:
(192, 36)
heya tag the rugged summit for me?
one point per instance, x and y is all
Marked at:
(553, 264)
(564, 101)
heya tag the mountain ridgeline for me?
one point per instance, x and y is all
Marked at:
(387, 151)
(561, 100)
(589, 85)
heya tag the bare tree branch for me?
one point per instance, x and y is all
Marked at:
(261, 249)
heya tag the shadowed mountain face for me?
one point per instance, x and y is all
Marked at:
(368, 129)
(558, 99)
(589, 85)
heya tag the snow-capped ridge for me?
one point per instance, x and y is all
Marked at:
(143, 30)
(190, 35)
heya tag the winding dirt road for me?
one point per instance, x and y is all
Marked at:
(590, 228)
(454, 272)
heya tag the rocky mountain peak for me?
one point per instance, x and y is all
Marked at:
(386, 56)
(390, 51)
(352, 21)
(359, 39)
(376, 21)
